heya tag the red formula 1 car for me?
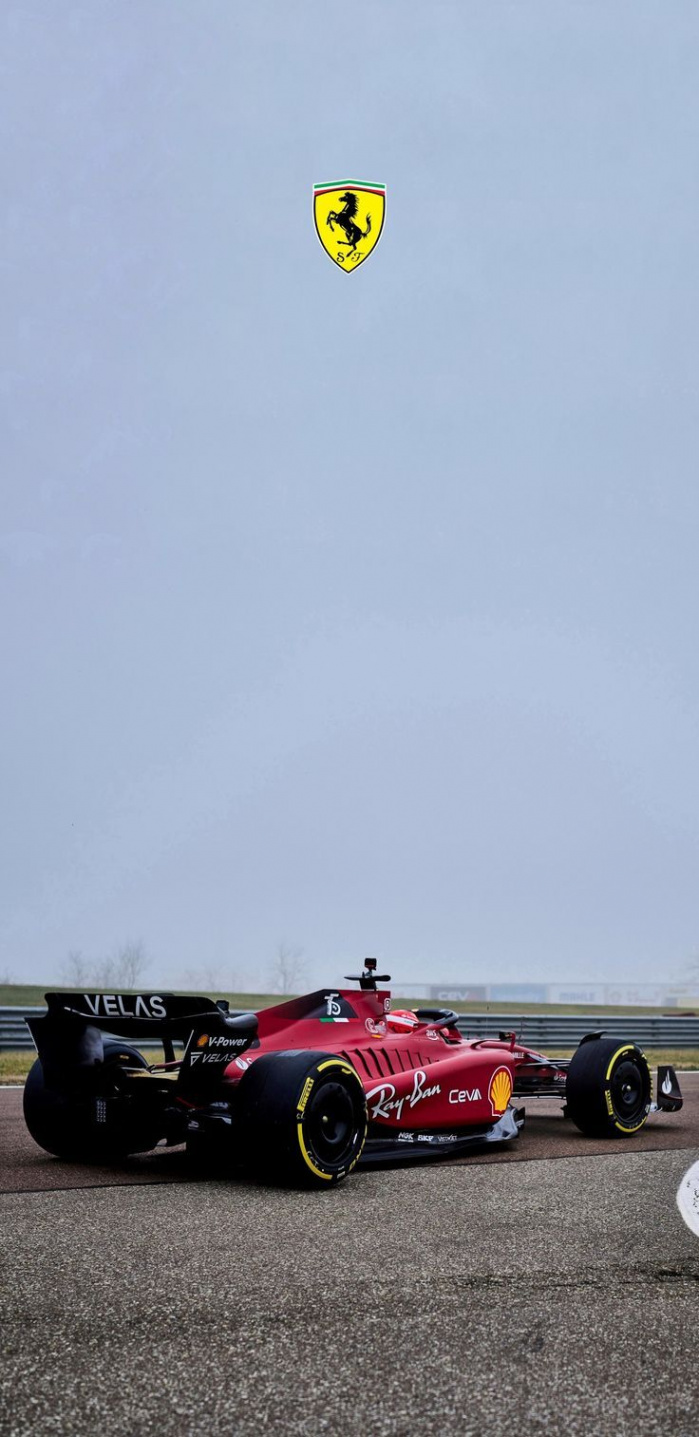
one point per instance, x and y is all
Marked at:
(306, 1090)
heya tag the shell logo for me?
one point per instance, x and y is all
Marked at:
(202, 1042)
(500, 1090)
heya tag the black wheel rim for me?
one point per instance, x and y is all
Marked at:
(331, 1124)
(628, 1089)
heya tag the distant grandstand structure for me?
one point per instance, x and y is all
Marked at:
(606, 995)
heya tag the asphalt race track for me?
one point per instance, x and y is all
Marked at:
(473, 1297)
(25, 1168)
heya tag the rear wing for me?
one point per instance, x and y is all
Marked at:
(135, 1015)
(69, 1034)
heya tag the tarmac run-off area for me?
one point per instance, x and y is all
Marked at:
(552, 1287)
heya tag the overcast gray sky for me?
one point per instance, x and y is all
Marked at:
(354, 612)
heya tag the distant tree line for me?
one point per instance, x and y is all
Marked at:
(288, 969)
(285, 975)
(126, 966)
(122, 969)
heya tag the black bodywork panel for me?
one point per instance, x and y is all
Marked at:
(384, 1147)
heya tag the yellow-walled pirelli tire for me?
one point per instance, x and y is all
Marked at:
(303, 1118)
(608, 1088)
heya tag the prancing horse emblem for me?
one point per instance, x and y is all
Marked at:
(339, 210)
(345, 220)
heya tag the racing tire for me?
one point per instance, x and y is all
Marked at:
(62, 1122)
(608, 1088)
(303, 1117)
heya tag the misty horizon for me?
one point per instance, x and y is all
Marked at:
(353, 613)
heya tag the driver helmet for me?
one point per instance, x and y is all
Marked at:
(401, 1021)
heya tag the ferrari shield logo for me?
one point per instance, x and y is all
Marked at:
(349, 218)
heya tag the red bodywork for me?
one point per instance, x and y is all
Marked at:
(429, 1090)
(430, 1079)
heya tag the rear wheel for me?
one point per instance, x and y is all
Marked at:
(67, 1122)
(303, 1117)
(608, 1088)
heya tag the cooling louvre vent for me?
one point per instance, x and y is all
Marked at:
(380, 1063)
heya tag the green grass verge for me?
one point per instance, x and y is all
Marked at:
(14, 1066)
(20, 995)
(31, 995)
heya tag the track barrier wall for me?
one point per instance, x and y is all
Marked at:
(536, 1030)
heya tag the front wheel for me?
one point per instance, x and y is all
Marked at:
(303, 1117)
(608, 1088)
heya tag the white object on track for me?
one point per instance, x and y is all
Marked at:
(688, 1198)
